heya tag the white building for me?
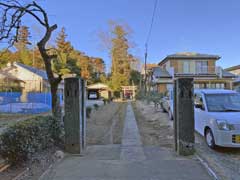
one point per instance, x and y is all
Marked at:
(30, 79)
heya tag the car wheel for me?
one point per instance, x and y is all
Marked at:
(163, 109)
(209, 138)
(170, 115)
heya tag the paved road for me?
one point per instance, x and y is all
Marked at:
(131, 149)
(128, 161)
(92, 102)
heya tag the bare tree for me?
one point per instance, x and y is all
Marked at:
(11, 15)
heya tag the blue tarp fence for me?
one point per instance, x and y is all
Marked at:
(32, 102)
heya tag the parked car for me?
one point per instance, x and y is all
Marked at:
(216, 114)
(167, 104)
(217, 117)
(92, 95)
(237, 89)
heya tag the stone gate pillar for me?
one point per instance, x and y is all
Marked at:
(75, 115)
(184, 116)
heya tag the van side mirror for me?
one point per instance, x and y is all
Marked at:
(199, 106)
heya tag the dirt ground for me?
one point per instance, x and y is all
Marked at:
(104, 126)
(32, 169)
(157, 129)
(154, 125)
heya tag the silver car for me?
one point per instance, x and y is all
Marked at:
(167, 106)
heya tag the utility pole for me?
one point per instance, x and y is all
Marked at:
(145, 69)
(33, 61)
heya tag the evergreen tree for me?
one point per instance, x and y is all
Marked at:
(23, 53)
(22, 38)
(120, 59)
(64, 64)
(98, 68)
(5, 57)
(37, 61)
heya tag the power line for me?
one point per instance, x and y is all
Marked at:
(152, 21)
(146, 46)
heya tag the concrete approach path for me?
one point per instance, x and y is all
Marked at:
(128, 161)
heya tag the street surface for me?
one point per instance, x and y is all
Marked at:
(130, 160)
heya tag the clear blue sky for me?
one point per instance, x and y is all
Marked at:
(204, 26)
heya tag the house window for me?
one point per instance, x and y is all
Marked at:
(201, 67)
(186, 67)
(220, 85)
(196, 86)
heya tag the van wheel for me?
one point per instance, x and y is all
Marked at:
(209, 138)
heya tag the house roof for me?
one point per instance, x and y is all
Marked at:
(232, 68)
(98, 86)
(148, 67)
(228, 74)
(34, 70)
(189, 56)
(159, 72)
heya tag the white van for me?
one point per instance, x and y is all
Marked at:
(217, 116)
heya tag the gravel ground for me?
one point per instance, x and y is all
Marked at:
(105, 124)
(224, 161)
(156, 129)
(154, 125)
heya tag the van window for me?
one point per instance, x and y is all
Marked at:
(223, 102)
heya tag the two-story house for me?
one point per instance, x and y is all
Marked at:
(235, 70)
(201, 67)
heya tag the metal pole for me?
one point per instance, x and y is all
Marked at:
(145, 73)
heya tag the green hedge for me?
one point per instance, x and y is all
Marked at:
(20, 141)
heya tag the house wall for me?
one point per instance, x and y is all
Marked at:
(200, 83)
(222, 83)
(236, 72)
(178, 65)
(161, 88)
(168, 65)
(10, 85)
(174, 64)
(105, 94)
(211, 66)
(32, 81)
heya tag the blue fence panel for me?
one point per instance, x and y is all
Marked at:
(44, 98)
(9, 97)
(31, 103)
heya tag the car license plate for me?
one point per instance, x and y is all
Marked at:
(236, 138)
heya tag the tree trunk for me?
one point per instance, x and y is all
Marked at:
(55, 101)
